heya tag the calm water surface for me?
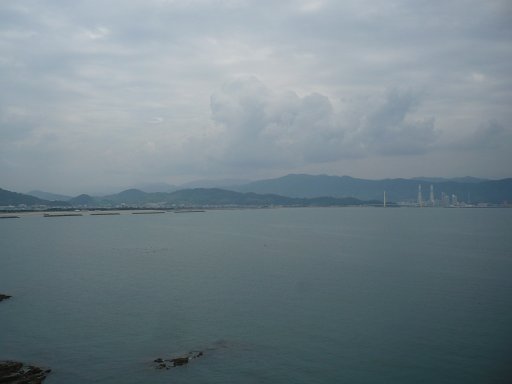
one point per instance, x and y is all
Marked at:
(342, 295)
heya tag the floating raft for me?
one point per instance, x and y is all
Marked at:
(104, 213)
(9, 217)
(147, 212)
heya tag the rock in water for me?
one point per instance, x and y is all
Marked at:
(14, 372)
(177, 361)
(4, 297)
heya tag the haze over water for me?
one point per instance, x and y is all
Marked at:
(348, 295)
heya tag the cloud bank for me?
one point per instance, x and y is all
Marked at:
(99, 96)
(262, 127)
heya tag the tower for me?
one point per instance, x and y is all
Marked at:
(384, 199)
(420, 199)
(432, 201)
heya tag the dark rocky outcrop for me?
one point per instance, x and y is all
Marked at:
(14, 372)
(177, 361)
(4, 297)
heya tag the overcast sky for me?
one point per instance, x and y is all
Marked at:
(98, 95)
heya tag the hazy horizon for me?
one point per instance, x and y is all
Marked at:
(207, 183)
(96, 98)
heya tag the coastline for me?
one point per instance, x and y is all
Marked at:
(79, 213)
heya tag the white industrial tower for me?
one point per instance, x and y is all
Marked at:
(432, 201)
(420, 199)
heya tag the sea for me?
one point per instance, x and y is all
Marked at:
(289, 295)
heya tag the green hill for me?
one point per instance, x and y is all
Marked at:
(222, 197)
(8, 198)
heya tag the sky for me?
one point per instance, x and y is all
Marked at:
(98, 96)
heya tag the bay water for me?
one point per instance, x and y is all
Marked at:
(301, 295)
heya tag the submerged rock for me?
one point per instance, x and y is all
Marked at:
(4, 297)
(177, 361)
(14, 372)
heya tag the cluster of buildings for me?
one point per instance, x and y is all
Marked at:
(446, 200)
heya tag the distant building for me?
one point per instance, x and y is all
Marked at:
(432, 201)
(420, 198)
(445, 199)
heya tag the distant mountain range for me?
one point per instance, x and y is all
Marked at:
(185, 197)
(223, 183)
(235, 184)
(293, 189)
(155, 187)
(49, 196)
(306, 186)
(465, 179)
(211, 197)
(8, 198)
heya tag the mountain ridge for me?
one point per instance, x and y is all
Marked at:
(186, 197)
(49, 195)
(9, 198)
(294, 186)
(399, 189)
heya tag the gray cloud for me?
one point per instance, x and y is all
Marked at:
(16, 122)
(388, 129)
(126, 89)
(488, 136)
(263, 127)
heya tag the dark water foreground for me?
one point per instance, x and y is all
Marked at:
(350, 295)
(14, 372)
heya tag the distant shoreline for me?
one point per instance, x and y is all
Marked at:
(79, 213)
(15, 214)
